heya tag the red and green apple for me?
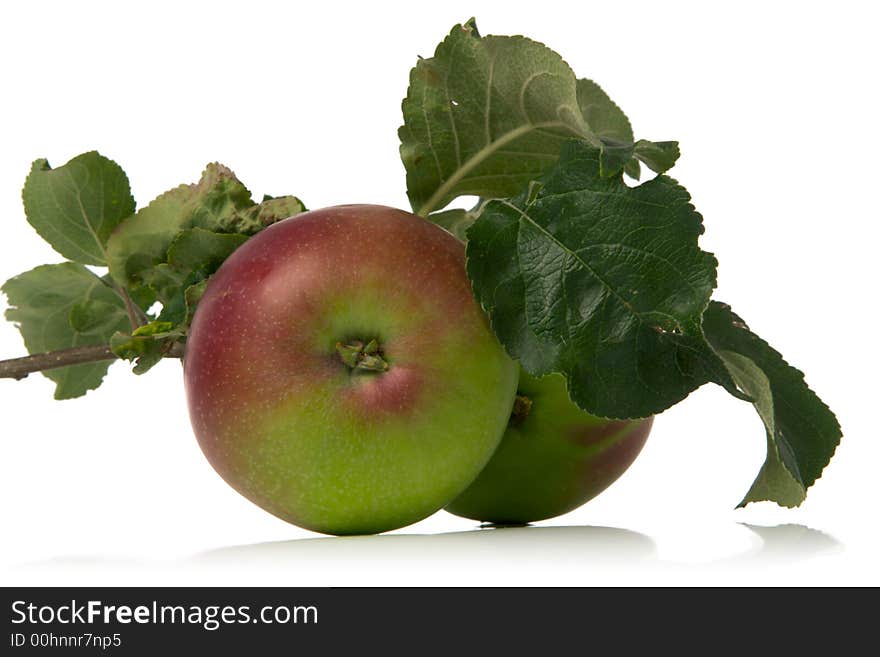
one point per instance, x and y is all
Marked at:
(340, 375)
(553, 457)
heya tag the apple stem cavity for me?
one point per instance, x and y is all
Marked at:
(522, 406)
(362, 356)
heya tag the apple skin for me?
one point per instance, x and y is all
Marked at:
(554, 460)
(294, 429)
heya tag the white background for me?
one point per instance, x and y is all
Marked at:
(776, 110)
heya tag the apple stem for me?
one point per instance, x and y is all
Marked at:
(522, 406)
(19, 368)
(359, 355)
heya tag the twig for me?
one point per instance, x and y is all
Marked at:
(18, 368)
(135, 315)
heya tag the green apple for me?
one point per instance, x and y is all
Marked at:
(552, 459)
(340, 375)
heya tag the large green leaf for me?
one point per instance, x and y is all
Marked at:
(604, 283)
(64, 306)
(485, 115)
(802, 432)
(76, 206)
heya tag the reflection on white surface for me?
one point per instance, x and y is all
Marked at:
(787, 543)
(783, 543)
(580, 543)
(551, 556)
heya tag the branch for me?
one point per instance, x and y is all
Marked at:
(18, 368)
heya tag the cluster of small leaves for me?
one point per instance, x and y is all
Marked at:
(169, 248)
(579, 273)
(165, 252)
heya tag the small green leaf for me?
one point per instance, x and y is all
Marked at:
(614, 157)
(192, 296)
(604, 117)
(76, 206)
(601, 282)
(147, 344)
(270, 211)
(146, 351)
(166, 282)
(153, 329)
(633, 169)
(609, 122)
(217, 199)
(457, 221)
(802, 432)
(659, 156)
(64, 306)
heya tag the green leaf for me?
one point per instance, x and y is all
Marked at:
(217, 199)
(457, 221)
(166, 283)
(64, 306)
(802, 432)
(95, 316)
(142, 241)
(604, 283)
(270, 211)
(612, 126)
(184, 235)
(76, 206)
(192, 296)
(145, 351)
(609, 122)
(156, 328)
(201, 250)
(193, 256)
(614, 157)
(604, 117)
(633, 169)
(484, 116)
(218, 203)
(147, 344)
(659, 156)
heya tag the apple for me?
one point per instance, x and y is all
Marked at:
(340, 375)
(553, 457)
